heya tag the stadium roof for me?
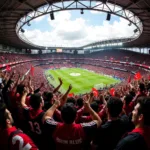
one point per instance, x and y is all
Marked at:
(12, 10)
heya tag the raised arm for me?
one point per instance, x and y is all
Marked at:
(58, 87)
(92, 113)
(64, 97)
(16, 84)
(30, 86)
(23, 98)
(49, 113)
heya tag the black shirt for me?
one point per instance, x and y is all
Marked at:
(133, 141)
(109, 134)
(35, 125)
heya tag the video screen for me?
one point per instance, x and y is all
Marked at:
(59, 50)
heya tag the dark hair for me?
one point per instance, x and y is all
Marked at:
(35, 100)
(44, 94)
(48, 96)
(132, 93)
(3, 115)
(95, 106)
(145, 109)
(68, 113)
(142, 86)
(80, 102)
(71, 100)
(20, 88)
(114, 106)
(128, 98)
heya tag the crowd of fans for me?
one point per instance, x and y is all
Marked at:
(34, 115)
(121, 55)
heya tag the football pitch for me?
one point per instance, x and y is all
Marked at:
(82, 80)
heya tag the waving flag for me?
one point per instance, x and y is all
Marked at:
(149, 77)
(137, 76)
(8, 68)
(129, 79)
(32, 70)
(95, 92)
(70, 94)
(112, 92)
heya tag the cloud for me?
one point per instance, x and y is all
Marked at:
(38, 19)
(95, 12)
(67, 31)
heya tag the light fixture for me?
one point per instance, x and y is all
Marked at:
(108, 17)
(52, 15)
(21, 1)
(136, 30)
(28, 23)
(22, 30)
(104, 1)
(130, 23)
(82, 12)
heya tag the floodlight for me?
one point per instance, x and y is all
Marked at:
(104, 1)
(82, 12)
(130, 23)
(136, 30)
(21, 1)
(28, 23)
(22, 30)
(108, 17)
(52, 15)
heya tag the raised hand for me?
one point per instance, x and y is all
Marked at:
(60, 80)
(91, 94)
(86, 99)
(26, 90)
(57, 102)
(70, 87)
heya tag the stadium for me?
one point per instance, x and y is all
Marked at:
(74, 74)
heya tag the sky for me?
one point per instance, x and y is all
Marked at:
(71, 28)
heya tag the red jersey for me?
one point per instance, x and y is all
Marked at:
(34, 122)
(128, 108)
(18, 141)
(70, 137)
(145, 132)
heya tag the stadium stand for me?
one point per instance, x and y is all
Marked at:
(97, 119)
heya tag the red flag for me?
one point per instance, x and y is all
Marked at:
(95, 92)
(8, 68)
(70, 94)
(137, 76)
(112, 92)
(32, 70)
(149, 77)
(129, 79)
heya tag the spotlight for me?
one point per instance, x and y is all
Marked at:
(108, 17)
(130, 23)
(28, 23)
(22, 30)
(82, 12)
(136, 30)
(21, 1)
(104, 1)
(52, 15)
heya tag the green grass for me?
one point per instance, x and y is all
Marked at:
(81, 84)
